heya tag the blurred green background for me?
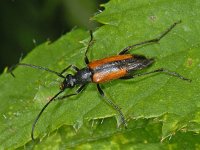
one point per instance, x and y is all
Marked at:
(26, 24)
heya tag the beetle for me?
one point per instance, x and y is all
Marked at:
(121, 66)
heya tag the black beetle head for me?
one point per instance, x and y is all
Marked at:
(69, 82)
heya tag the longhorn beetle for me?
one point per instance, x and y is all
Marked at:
(121, 66)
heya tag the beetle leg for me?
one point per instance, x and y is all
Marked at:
(73, 67)
(89, 44)
(64, 70)
(80, 89)
(112, 104)
(155, 40)
(155, 71)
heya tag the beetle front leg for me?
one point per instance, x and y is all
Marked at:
(70, 66)
(79, 90)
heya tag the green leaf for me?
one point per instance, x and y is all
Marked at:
(165, 106)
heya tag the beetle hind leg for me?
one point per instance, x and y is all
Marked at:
(171, 73)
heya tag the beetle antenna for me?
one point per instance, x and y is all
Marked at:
(42, 110)
(36, 67)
